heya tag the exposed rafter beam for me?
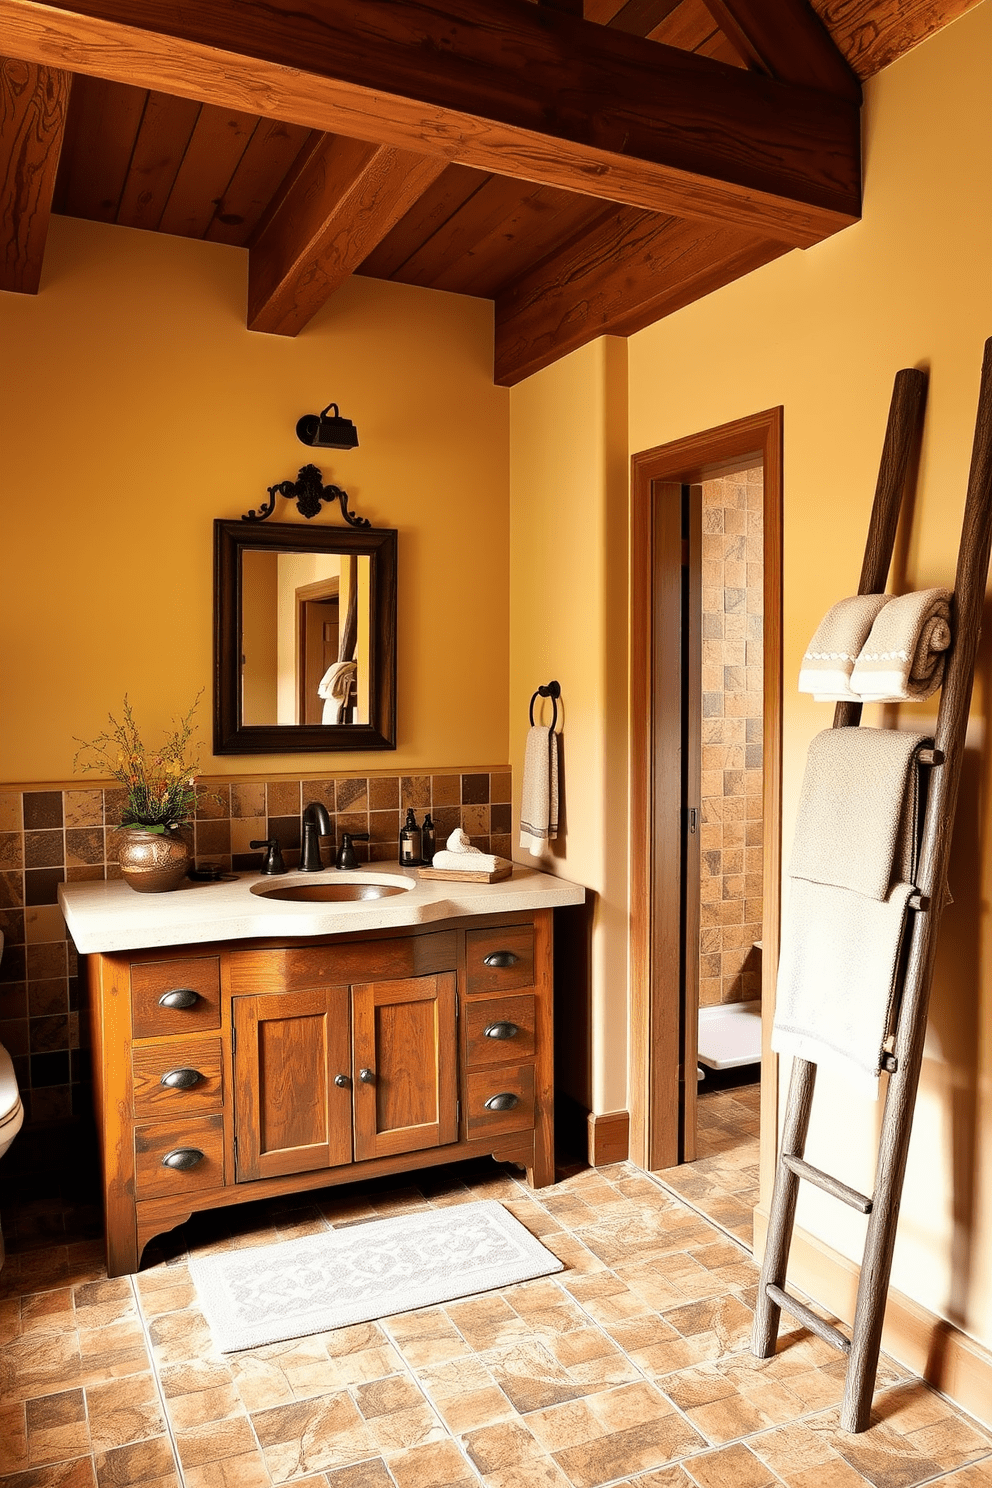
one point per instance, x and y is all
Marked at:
(33, 103)
(340, 205)
(873, 33)
(630, 269)
(786, 39)
(521, 90)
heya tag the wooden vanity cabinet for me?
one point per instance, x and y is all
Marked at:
(226, 1073)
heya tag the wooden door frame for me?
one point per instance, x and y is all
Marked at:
(654, 997)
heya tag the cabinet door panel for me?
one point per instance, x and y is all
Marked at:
(404, 1041)
(290, 1117)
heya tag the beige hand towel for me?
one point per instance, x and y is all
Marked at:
(857, 824)
(902, 659)
(468, 862)
(836, 645)
(334, 687)
(838, 978)
(539, 798)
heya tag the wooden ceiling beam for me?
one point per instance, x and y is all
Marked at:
(629, 270)
(33, 104)
(873, 33)
(788, 41)
(521, 90)
(339, 206)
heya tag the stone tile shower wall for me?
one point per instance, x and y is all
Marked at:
(48, 837)
(731, 795)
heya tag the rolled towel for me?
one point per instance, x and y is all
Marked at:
(902, 659)
(459, 842)
(836, 645)
(468, 862)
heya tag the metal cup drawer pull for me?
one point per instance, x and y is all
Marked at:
(181, 1079)
(182, 1158)
(501, 1030)
(505, 1101)
(501, 958)
(182, 997)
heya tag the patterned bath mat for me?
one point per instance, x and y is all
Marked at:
(364, 1271)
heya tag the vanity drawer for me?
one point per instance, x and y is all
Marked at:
(153, 980)
(203, 1134)
(305, 968)
(499, 960)
(485, 1085)
(202, 1056)
(499, 1028)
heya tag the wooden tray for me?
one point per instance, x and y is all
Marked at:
(458, 877)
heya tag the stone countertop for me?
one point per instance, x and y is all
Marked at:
(111, 916)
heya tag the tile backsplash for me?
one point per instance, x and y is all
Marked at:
(48, 837)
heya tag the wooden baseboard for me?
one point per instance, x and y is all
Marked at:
(934, 1348)
(609, 1138)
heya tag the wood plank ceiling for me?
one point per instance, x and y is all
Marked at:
(573, 238)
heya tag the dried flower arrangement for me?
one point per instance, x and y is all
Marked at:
(160, 783)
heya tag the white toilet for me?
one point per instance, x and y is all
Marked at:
(11, 1109)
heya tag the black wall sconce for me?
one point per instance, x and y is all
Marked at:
(321, 432)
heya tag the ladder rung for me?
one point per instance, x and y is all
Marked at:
(829, 1185)
(809, 1319)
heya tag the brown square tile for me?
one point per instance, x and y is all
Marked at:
(56, 1427)
(75, 1474)
(372, 1473)
(84, 845)
(282, 798)
(415, 791)
(446, 790)
(122, 1411)
(507, 1444)
(433, 1466)
(140, 1462)
(352, 796)
(11, 814)
(11, 850)
(13, 1439)
(384, 793)
(44, 849)
(215, 1441)
(475, 790)
(501, 787)
(731, 1467)
(312, 1435)
(475, 821)
(246, 1471)
(248, 799)
(213, 837)
(42, 809)
(40, 884)
(319, 790)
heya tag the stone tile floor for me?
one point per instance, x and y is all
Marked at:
(631, 1367)
(723, 1181)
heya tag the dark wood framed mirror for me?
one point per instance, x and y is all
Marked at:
(304, 638)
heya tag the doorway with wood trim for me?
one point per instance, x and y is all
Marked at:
(706, 519)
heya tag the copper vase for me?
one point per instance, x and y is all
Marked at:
(153, 862)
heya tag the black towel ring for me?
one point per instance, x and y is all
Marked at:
(553, 691)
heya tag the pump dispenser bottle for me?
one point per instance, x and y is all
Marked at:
(410, 841)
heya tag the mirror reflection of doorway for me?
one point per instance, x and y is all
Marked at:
(318, 629)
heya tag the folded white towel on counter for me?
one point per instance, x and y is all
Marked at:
(858, 820)
(902, 659)
(836, 645)
(468, 862)
(539, 793)
(837, 978)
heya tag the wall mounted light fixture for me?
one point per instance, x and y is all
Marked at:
(318, 430)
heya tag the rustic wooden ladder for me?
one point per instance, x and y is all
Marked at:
(903, 1064)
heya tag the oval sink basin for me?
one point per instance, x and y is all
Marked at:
(328, 893)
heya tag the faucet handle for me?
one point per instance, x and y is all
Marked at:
(346, 853)
(273, 857)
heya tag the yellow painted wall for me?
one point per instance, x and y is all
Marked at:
(136, 408)
(823, 333)
(568, 621)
